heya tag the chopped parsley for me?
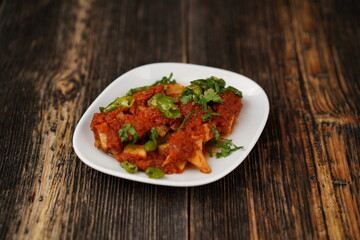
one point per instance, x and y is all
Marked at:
(164, 80)
(154, 135)
(186, 95)
(152, 144)
(211, 95)
(226, 146)
(204, 91)
(216, 133)
(186, 118)
(215, 83)
(207, 116)
(123, 133)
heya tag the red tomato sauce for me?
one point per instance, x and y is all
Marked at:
(178, 144)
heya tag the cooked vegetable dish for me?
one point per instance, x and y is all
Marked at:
(165, 126)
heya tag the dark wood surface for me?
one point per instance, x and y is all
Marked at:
(302, 179)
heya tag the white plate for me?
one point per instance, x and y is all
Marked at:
(251, 122)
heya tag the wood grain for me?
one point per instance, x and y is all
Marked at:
(301, 180)
(64, 198)
(297, 173)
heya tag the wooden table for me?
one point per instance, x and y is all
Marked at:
(302, 179)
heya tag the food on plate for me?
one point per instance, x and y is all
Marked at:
(163, 127)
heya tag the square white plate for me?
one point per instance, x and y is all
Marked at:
(247, 130)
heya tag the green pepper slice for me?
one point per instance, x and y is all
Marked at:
(125, 101)
(234, 90)
(154, 172)
(129, 167)
(150, 146)
(165, 104)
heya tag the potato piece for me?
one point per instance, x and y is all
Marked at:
(112, 152)
(227, 130)
(198, 159)
(162, 130)
(174, 90)
(162, 147)
(120, 115)
(207, 135)
(181, 165)
(141, 108)
(135, 150)
(167, 160)
(103, 141)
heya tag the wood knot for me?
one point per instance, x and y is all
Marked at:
(340, 183)
(67, 87)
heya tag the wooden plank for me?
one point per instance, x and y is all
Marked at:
(60, 55)
(331, 109)
(301, 178)
(217, 210)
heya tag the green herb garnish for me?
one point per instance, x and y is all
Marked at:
(123, 133)
(215, 83)
(154, 135)
(226, 146)
(188, 94)
(216, 133)
(185, 119)
(207, 116)
(152, 144)
(164, 80)
(211, 95)
(203, 91)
